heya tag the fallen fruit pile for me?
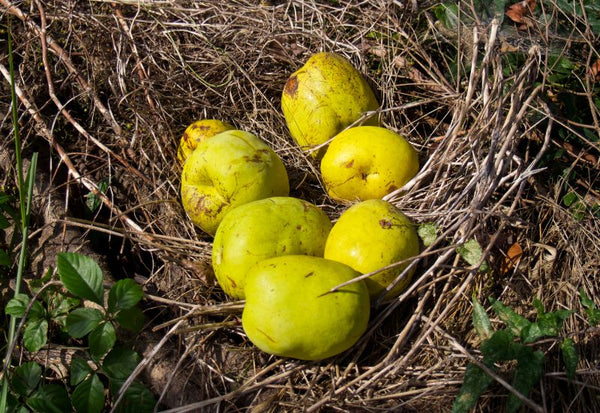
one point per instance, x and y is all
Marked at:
(298, 272)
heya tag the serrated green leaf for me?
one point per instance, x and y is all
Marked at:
(137, 399)
(88, 396)
(17, 305)
(5, 260)
(35, 335)
(101, 340)
(80, 370)
(515, 322)
(476, 381)
(50, 398)
(83, 320)
(472, 253)
(428, 233)
(123, 295)
(527, 374)
(570, 357)
(81, 275)
(132, 319)
(119, 363)
(481, 320)
(26, 378)
(499, 347)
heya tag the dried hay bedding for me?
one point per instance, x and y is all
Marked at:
(131, 75)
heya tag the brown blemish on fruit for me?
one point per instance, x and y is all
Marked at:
(266, 335)
(233, 283)
(309, 274)
(364, 176)
(186, 137)
(349, 164)
(385, 223)
(291, 86)
(392, 188)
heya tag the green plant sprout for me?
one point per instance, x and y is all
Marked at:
(515, 343)
(101, 361)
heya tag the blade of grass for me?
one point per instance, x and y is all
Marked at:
(25, 194)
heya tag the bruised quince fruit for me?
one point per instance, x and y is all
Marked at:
(229, 169)
(196, 133)
(289, 311)
(367, 162)
(263, 229)
(371, 235)
(323, 97)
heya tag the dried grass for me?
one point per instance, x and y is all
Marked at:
(107, 88)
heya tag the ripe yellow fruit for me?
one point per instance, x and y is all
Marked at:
(263, 229)
(196, 133)
(230, 169)
(367, 162)
(371, 235)
(323, 97)
(289, 313)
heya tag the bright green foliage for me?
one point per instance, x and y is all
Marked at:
(82, 277)
(428, 233)
(509, 345)
(472, 253)
(481, 321)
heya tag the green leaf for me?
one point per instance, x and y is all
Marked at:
(476, 381)
(547, 324)
(132, 319)
(101, 340)
(593, 314)
(570, 357)
(137, 399)
(499, 347)
(472, 253)
(83, 320)
(5, 260)
(50, 398)
(448, 14)
(481, 321)
(428, 233)
(93, 201)
(527, 374)
(80, 370)
(17, 305)
(570, 198)
(123, 295)
(61, 305)
(36, 311)
(35, 335)
(26, 378)
(514, 321)
(81, 275)
(88, 396)
(119, 363)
